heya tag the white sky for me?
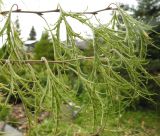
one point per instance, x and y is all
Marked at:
(28, 20)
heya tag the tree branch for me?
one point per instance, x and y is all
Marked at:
(55, 11)
(42, 61)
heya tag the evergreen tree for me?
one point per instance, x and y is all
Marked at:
(32, 34)
(44, 47)
(17, 25)
(149, 11)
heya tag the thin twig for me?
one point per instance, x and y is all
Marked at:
(56, 10)
(33, 12)
(41, 61)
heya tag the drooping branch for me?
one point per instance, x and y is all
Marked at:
(55, 11)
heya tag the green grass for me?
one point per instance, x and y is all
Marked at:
(131, 123)
(135, 123)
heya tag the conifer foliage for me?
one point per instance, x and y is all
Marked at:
(46, 84)
(32, 34)
(44, 47)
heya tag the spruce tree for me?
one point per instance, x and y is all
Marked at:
(148, 11)
(32, 34)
